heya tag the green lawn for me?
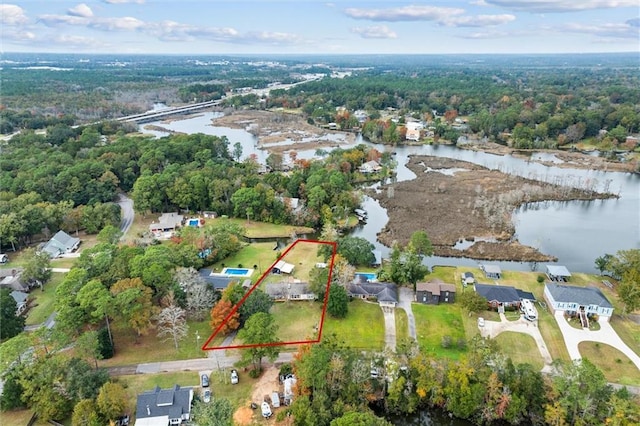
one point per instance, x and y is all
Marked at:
(42, 302)
(260, 255)
(268, 230)
(297, 320)
(402, 325)
(149, 348)
(615, 365)
(521, 348)
(433, 323)
(17, 418)
(363, 328)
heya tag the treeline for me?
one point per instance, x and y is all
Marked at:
(483, 387)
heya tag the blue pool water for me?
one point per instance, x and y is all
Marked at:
(236, 271)
(369, 276)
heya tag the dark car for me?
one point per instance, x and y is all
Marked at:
(204, 381)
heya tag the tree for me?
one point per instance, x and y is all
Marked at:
(602, 262)
(237, 151)
(472, 301)
(338, 303)
(112, 400)
(257, 301)
(172, 321)
(260, 329)
(133, 303)
(218, 412)
(318, 280)
(82, 381)
(11, 324)
(360, 418)
(200, 297)
(11, 397)
(220, 314)
(96, 300)
(421, 243)
(109, 234)
(85, 414)
(356, 250)
(44, 390)
(89, 344)
(37, 269)
(625, 266)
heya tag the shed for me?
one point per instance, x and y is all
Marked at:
(282, 267)
(491, 271)
(558, 273)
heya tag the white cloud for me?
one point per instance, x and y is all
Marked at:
(479, 3)
(484, 35)
(126, 23)
(19, 36)
(406, 13)
(10, 14)
(122, 1)
(478, 20)
(381, 31)
(608, 30)
(81, 10)
(56, 20)
(542, 6)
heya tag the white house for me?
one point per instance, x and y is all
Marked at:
(370, 167)
(574, 299)
(61, 243)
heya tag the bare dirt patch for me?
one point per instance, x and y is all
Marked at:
(280, 132)
(455, 200)
(266, 384)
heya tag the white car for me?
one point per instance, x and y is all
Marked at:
(480, 322)
(206, 395)
(234, 377)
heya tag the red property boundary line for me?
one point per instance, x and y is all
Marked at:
(206, 347)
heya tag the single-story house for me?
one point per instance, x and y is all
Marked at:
(435, 292)
(163, 407)
(289, 291)
(385, 293)
(526, 295)
(589, 300)
(10, 278)
(558, 273)
(370, 167)
(167, 223)
(498, 296)
(491, 271)
(21, 299)
(468, 279)
(282, 267)
(61, 243)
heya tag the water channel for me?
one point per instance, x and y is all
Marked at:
(576, 232)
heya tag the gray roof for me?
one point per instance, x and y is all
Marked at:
(435, 286)
(218, 282)
(19, 296)
(384, 292)
(491, 269)
(60, 243)
(173, 402)
(498, 293)
(282, 289)
(526, 295)
(580, 295)
(558, 271)
(10, 278)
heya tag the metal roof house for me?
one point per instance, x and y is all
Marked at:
(590, 300)
(558, 273)
(491, 271)
(498, 295)
(162, 407)
(435, 292)
(61, 243)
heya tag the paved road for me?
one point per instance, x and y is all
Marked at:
(406, 298)
(126, 206)
(607, 335)
(389, 328)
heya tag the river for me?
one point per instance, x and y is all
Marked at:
(576, 232)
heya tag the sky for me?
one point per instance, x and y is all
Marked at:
(310, 26)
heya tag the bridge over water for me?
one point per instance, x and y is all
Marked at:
(149, 116)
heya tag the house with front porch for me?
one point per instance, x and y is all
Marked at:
(385, 293)
(577, 300)
(61, 243)
(163, 407)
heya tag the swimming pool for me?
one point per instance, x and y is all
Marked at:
(237, 272)
(369, 276)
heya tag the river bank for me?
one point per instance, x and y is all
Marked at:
(461, 204)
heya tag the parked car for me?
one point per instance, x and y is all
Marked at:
(266, 410)
(206, 395)
(480, 322)
(204, 381)
(234, 377)
(123, 420)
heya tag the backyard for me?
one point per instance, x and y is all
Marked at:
(617, 368)
(42, 302)
(363, 328)
(439, 330)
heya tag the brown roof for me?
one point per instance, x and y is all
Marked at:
(435, 286)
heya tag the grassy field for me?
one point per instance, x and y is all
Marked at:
(297, 320)
(268, 230)
(615, 365)
(42, 301)
(17, 418)
(149, 348)
(363, 328)
(260, 255)
(433, 323)
(522, 348)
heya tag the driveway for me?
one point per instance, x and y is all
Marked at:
(606, 334)
(126, 206)
(406, 298)
(389, 328)
(492, 328)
